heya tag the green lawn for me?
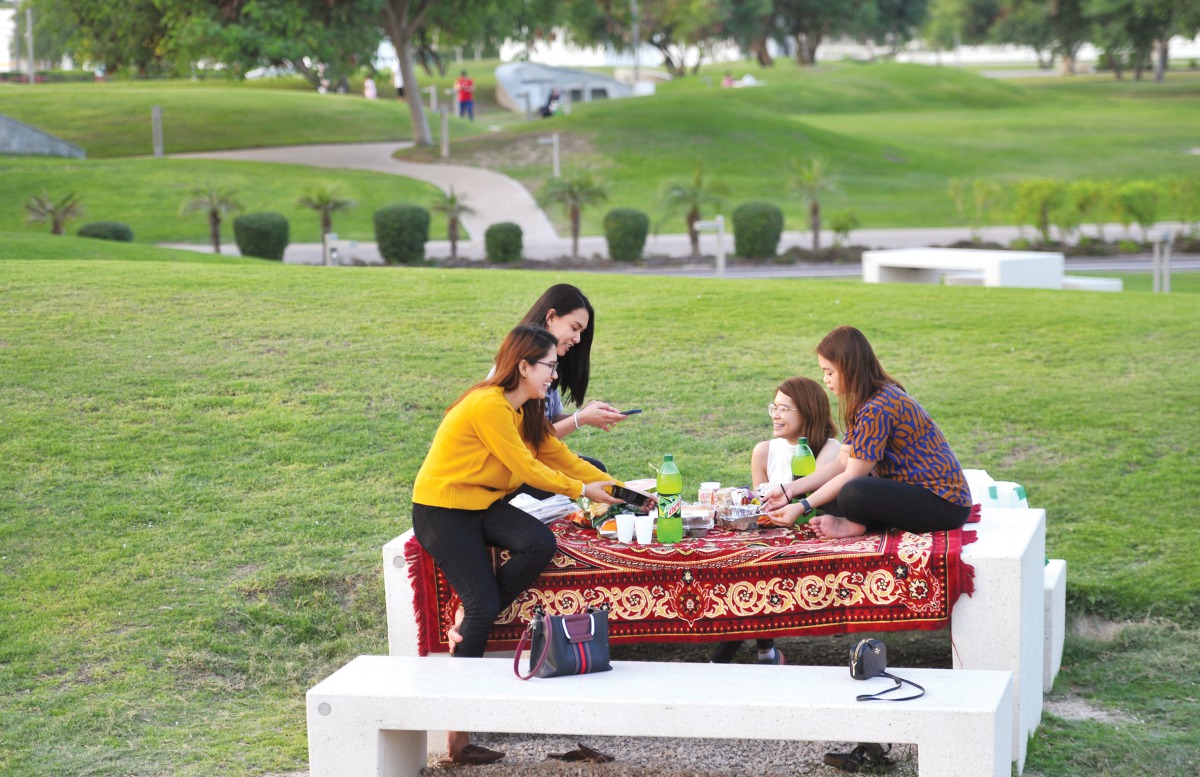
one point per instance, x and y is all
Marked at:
(147, 194)
(204, 457)
(894, 136)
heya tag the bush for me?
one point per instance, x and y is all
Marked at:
(1140, 202)
(502, 242)
(264, 235)
(625, 229)
(401, 231)
(107, 230)
(843, 223)
(757, 227)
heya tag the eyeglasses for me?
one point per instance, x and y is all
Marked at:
(552, 365)
(773, 408)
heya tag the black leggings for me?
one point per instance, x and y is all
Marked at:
(882, 503)
(458, 541)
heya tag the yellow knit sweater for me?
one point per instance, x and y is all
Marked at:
(478, 456)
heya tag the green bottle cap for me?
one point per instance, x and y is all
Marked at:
(804, 441)
(668, 457)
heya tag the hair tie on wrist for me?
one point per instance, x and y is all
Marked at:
(576, 417)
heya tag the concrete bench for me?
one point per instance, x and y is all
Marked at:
(1000, 627)
(1023, 269)
(1055, 617)
(370, 718)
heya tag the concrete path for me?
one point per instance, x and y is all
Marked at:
(497, 198)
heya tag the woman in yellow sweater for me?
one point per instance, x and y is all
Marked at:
(494, 438)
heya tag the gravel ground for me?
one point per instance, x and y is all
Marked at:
(660, 757)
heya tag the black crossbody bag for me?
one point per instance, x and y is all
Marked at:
(868, 659)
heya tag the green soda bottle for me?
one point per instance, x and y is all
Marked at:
(670, 503)
(803, 462)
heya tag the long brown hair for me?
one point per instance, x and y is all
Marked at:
(527, 344)
(859, 371)
(816, 421)
(574, 368)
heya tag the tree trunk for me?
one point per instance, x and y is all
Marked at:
(214, 228)
(402, 19)
(758, 47)
(574, 232)
(693, 233)
(1160, 61)
(452, 233)
(669, 61)
(814, 220)
(326, 223)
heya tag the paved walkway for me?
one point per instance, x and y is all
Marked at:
(497, 198)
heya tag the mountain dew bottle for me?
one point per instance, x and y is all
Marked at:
(803, 462)
(670, 504)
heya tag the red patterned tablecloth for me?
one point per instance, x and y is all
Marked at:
(764, 583)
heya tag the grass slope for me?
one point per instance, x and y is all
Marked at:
(203, 458)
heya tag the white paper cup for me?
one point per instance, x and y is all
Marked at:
(644, 528)
(625, 528)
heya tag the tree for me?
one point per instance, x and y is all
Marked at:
(809, 179)
(215, 203)
(691, 199)
(44, 208)
(573, 194)
(129, 36)
(670, 26)
(1036, 201)
(946, 25)
(326, 201)
(453, 207)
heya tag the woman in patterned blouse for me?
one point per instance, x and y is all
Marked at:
(895, 468)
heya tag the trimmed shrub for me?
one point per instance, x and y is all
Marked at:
(107, 230)
(757, 227)
(264, 235)
(625, 229)
(503, 242)
(401, 231)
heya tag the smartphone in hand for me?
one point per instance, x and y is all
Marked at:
(635, 411)
(635, 499)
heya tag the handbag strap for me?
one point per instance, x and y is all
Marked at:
(526, 637)
(896, 687)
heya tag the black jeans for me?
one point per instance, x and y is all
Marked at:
(458, 541)
(882, 503)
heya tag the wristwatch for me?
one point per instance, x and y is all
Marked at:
(804, 505)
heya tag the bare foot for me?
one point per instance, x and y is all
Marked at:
(834, 527)
(452, 634)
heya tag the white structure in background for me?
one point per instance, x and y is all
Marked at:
(8, 29)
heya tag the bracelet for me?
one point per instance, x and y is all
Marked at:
(783, 490)
(805, 506)
(576, 417)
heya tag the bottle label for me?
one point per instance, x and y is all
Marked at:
(669, 505)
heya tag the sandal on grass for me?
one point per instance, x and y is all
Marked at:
(471, 755)
(584, 753)
(867, 757)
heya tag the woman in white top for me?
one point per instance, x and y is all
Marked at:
(800, 409)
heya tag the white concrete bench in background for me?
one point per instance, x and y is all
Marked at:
(369, 718)
(1023, 269)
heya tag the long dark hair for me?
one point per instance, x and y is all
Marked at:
(816, 421)
(575, 367)
(528, 344)
(859, 371)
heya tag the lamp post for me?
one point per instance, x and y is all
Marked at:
(1162, 238)
(716, 225)
(637, 43)
(552, 141)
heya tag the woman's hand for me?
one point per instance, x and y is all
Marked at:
(600, 415)
(776, 500)
(596, 493)
(786, 516)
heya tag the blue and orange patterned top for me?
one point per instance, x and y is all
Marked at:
(894, 431)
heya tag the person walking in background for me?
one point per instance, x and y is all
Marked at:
(800, 409)
(895, 468)
(465, 88)
(492, 439)
(369, 90)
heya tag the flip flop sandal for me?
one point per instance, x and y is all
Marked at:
(584, 753)
(471, 755)
(867, 757)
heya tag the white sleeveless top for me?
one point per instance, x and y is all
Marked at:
(779, 460)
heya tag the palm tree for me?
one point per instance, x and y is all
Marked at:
(215, 203)
(41, 207)
(573, 195)
(453, 207)
(690, 199)
(809, 179)
(326, 201)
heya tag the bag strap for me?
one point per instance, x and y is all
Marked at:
(526, 639)
(896, 687)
